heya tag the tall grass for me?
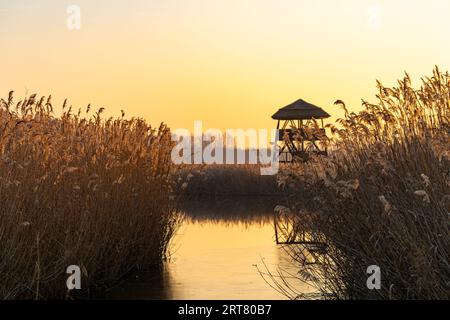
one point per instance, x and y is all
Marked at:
(79, 191)
(383, 198)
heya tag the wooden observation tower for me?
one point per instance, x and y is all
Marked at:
(300, 133)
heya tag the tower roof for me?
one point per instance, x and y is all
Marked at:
(300, 110)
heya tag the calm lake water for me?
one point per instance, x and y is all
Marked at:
(216, 255)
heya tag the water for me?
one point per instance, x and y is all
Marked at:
(216, 255)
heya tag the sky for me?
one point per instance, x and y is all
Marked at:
(228, 63)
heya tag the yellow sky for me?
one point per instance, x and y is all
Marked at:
(230, 63)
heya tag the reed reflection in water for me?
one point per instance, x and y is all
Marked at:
(214, 256)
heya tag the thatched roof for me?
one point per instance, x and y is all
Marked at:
(300, 110)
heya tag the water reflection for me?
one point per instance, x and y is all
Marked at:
(237, 210)
(215, 256)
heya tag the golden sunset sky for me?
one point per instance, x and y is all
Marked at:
(230, 63)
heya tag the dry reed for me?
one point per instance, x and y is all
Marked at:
(383, 197)
(79, 191)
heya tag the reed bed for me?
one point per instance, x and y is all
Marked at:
(79, 190)
(218, 181)
(382, 198)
